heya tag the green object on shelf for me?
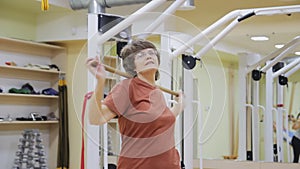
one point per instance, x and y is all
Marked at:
(19, 91)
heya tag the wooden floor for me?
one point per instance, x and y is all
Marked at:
(232, 164)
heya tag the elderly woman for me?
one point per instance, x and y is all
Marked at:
(145, 122)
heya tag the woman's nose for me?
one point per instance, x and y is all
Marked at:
(149, 57)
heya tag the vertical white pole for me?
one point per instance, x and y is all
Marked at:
(199, 126)
(279, 122)
(268, 118)
(96, 135)
(92, 143)
(242, 102)
(165, 67)
(188, 118)
(255, 122)
(189, 97)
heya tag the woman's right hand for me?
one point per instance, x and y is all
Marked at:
(96, 68)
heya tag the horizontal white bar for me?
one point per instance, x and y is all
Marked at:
(292, 71)
(286, 68)
(278, 10)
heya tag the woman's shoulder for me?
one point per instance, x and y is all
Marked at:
(122, 84)
(125, 81)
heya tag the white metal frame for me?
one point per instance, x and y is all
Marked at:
(274, 57)
(268, 118)
(238, 16)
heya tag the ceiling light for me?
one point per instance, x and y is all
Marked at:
(259, 38)
(297, 53)
(278, 46)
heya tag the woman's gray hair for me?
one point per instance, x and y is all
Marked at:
(130, 50)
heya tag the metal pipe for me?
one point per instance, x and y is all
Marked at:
(95, 7)
(83, 4)
(112, 3)
(128, 21)
(79, 4)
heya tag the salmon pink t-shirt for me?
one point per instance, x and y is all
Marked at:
(146, 125)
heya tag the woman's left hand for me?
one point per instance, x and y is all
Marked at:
(179, 106)
(180, 99)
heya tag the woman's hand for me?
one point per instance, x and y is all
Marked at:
(179, 106)
(96, 68)
(180, 99)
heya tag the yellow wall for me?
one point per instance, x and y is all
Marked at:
(215, 94)
(77, 85)
(17, 24)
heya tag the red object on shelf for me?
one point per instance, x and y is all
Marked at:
(11, 63)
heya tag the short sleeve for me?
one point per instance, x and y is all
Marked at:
(117, 99)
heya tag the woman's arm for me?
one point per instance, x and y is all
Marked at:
(98, 113)
(178, 107)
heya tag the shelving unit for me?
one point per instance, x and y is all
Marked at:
(14, 105)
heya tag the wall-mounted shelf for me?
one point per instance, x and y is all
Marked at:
(29, 73)
(27, 122)
(29, 47)
(27, 99)
(38, 96)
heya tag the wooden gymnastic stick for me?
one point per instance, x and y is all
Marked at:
(113, 70)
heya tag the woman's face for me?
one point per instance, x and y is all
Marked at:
(146, 60)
